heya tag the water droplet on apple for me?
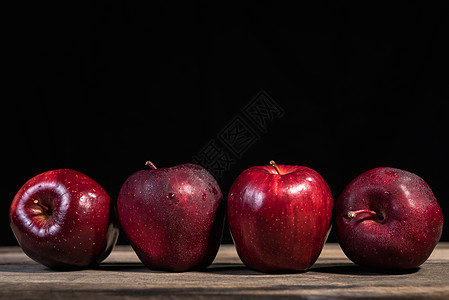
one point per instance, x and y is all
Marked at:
(170, 196)
(204, 196)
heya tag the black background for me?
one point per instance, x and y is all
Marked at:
(103, 87)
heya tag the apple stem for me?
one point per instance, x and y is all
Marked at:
(41, 205)
(352, 214)
(151, 165)
(275, 166)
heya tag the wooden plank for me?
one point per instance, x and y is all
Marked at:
(122, 276)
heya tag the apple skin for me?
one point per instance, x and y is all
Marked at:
(279, 222)
(64, 220)
(173, 217)
(406, 225)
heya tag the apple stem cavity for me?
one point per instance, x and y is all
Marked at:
(151, 165)
(275, 166)
(352, 214)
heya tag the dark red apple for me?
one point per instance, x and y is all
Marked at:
(64, 220)
(388, 218)
(173, 217)
(279, 217)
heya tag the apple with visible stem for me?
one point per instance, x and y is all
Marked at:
(279, 216)
(388, 219)
(63, 219)
(172, 217)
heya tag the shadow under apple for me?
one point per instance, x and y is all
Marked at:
(354, 269)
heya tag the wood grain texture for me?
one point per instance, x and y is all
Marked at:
(123, 276)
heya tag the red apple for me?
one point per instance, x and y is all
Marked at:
(279, 217)
(64, 220)
(173, 217)
(388, 218)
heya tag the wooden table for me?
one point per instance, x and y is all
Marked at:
(123, 276)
